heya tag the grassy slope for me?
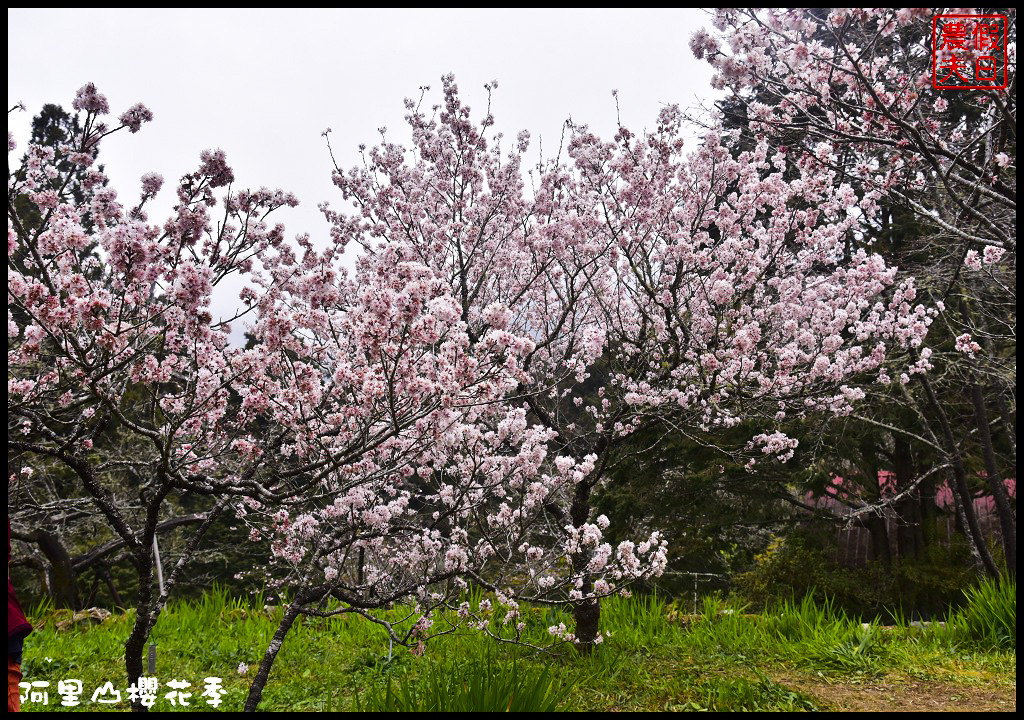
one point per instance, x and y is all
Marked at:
(798, 658)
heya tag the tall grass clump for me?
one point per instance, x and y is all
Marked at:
(483, 686)
(989, 619)
(824, 636)
(761, 694)
(812, 634)
(640, 621)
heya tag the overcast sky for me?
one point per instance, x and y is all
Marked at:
(263, 84)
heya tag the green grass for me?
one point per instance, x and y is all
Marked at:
(467, 683)
(989, 619)
(655, 658)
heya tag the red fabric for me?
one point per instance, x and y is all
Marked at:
(16, 622)
(13, 689)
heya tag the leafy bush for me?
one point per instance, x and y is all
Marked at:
(804, 563)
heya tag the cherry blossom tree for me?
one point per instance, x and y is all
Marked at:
(445, 412)
(410, 456)
(422, 470)
(685, 294)
(364, 430)
(118, 371)
(851, 92)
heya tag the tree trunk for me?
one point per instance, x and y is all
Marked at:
(260, 681)
(879, 539)
(1004, 415)
(929, 512)
(136, 642)
(586, 613)
(1007, 522)
(63, 581)
(908, 510)
(910, 532)
(875, 522)
(960, 487)
(150, 607)
(105, 571)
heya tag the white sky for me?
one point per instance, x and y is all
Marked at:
(263, 84)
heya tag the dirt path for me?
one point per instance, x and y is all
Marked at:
(904, 696)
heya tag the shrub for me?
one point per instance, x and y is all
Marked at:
(803, 563)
